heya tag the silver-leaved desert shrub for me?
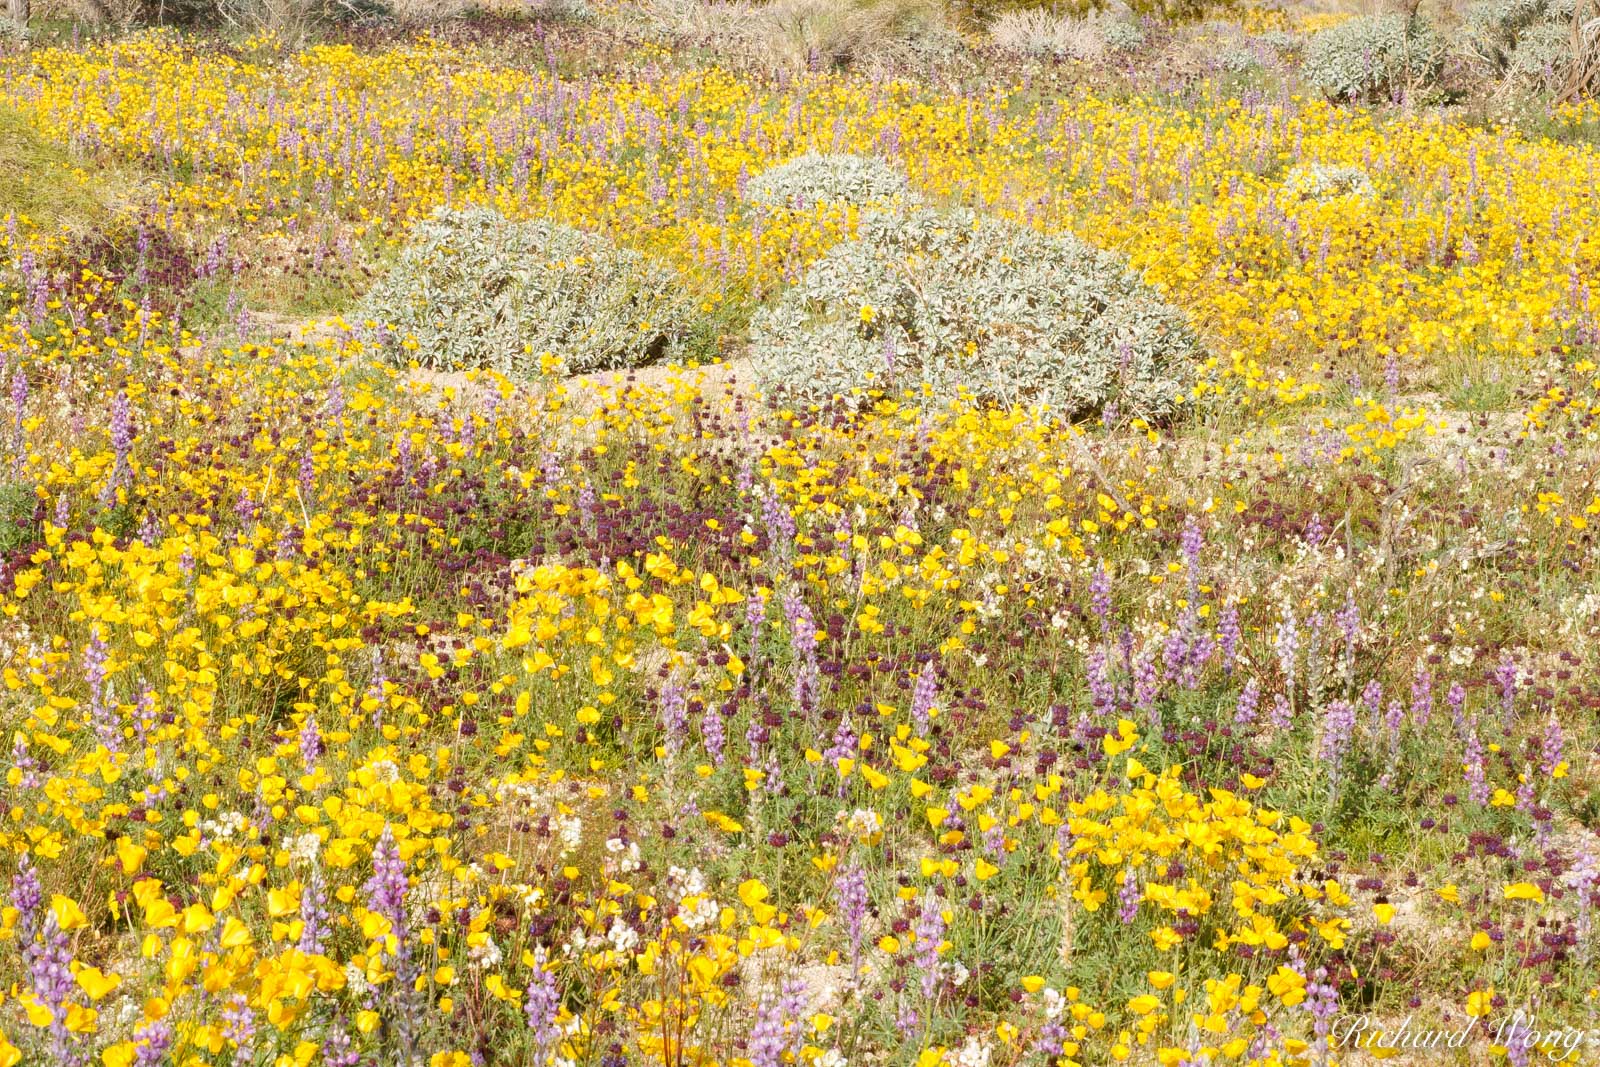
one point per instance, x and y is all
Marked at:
(827, 178)
(474, 289)
(958, 303)
(1374, 57)
(1327, 181)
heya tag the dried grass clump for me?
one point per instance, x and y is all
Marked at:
(1583, 70)
(804, 34)
(1038, 33)
(38, 180)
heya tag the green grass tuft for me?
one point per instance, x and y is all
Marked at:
(39, 180)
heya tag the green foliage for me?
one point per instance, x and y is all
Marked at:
(17, 504)
(958, 302)
(473, 289)
(1373, 58)
(38, 180)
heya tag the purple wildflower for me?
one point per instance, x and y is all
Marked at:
(1245, 710)
(929, 929)
(850, 884)
(543, 1007)
(1422, 698)
(674, 717)
(1228, 636)
(1129, 896)
(1338, 724)
(1505, 673)
(923, 695)
(1100, 595)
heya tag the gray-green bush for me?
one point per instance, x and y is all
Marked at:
(957, 302)
(473, 289)
(1376, 57)
(1326, 181)
(827, 178)
(1526, 41)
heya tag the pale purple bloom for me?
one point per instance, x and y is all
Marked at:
(923, 695)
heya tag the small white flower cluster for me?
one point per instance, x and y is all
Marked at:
(306, 848)
(863, 824)
(627, 855)
(698, 909)
(974, 1053)
(530, 801)
(224, 826)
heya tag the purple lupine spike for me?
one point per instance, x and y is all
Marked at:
(154, 1040)
(315, 919)
(308, 474)
(102, 712)
(929, 929)
(50, 972)
(338, 1050)
(1422, 698)
(1146, 687)
(1245, 711)
(1287, 646)
(28, 898)
(239, 1026)
(843, 747)
(802, 626)
(1476, 771)
(1372, 698)
(122, 447)
(144, 715)
(755, 617)
(674, 717)
(1129, 896)
(1102, 695)
(1282, 716)
(1552, 746)
(850, 885)
(1100, 595)
(1505, 673)
(1190, 543)
(386, 889)
(1583, 878)
(780, 524)
(1338, 724)
(27, 767)
(386, 895)
(923, 695)
(543, 1007)
(1322, 1001)
(1315, 530)
(1457, 699)
(1394, 721)
(713, 733)
(767, 1041)
(310, 742)
(1229, 635)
